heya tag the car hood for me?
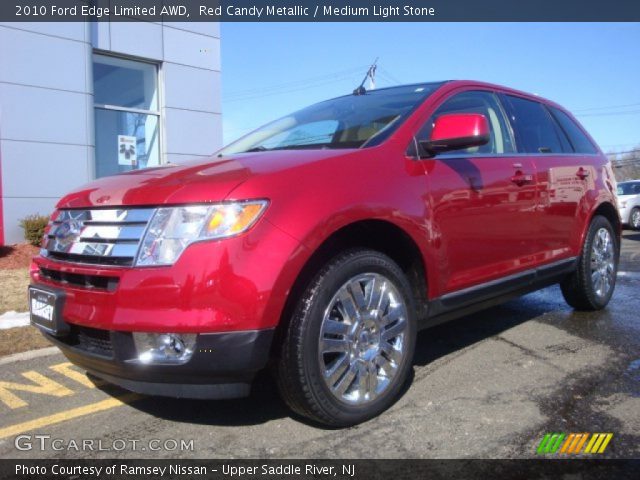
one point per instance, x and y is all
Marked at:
(197, 181)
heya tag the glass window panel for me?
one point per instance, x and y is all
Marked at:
(534, 126)
(580, 142)
(111, 152)
(484, 103)
(125, 83)
(312, 133)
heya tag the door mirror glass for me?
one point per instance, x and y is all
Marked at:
(457, 131)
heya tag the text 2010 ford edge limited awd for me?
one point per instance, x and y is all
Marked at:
(323, 241)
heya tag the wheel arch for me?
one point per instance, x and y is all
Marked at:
(380, 235)
(610, 212)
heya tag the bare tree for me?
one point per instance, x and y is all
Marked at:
(626, 166)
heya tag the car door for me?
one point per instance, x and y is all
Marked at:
(565, 170)
(481, 200)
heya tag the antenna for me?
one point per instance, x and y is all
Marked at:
(371, 75)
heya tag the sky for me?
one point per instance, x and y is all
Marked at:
(593, 69)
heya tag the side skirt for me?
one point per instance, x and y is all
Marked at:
(470, 300)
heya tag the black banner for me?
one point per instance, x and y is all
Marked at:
(320, 11)
(119, 469)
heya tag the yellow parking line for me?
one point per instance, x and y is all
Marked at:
(68, 414)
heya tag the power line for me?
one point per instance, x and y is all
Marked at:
(604, 114)
(606, 108)
(635, 150)
(391, 77)
(616, 161)
(306, 82)
(288, 90)
(614, 145)
(388, 79)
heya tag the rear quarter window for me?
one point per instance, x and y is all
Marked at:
(536, 132)
(579, 141)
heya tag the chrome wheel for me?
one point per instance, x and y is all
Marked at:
(363, 338)
(602, 263)
(635, 219)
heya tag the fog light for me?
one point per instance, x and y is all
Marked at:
(164, 348)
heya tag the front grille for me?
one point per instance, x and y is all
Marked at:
(98, 282)
(97, 236)
(95, 341)
(91, 340)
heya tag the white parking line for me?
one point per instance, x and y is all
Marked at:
(633, 275)
(18, 357)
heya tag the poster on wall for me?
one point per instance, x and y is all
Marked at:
(127, 151)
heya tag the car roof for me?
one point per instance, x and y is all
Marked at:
(452, 84)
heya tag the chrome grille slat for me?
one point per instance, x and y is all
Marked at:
(108, 215)
(97, 236)
(109, 240)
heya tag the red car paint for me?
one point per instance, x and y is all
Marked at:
(465, 236)
(450, 126)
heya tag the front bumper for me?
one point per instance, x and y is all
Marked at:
(222, 365)
(624, 212)
(235, 284)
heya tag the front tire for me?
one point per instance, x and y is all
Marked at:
(349, 346)
(634, 218)
(591, 286)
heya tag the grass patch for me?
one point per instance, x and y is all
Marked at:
(13, 290)
(21, 339)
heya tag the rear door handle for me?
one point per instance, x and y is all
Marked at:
(582, 173)
(522, 178)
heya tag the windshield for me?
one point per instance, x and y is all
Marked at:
(344, 122)
(629, 188)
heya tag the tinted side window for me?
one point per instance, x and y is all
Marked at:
(534, 128)
(580, 142)
(484, 103)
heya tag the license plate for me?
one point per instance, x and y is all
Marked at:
(45, 307)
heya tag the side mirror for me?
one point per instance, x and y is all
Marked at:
(456, 131)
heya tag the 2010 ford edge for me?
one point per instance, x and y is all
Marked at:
(322, 242)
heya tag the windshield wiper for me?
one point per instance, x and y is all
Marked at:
(259, 148)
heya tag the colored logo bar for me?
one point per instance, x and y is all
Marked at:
(574, 443)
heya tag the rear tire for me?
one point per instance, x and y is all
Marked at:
(349, 347)
(591, 285)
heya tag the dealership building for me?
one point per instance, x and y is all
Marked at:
(80, 100)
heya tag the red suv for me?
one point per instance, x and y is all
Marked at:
(322, 242)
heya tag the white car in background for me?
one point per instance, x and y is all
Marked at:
(629, 203)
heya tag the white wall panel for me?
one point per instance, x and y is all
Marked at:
(38, 114)
(191, 49)
(70, 30)
(192, 133)
(191, 88)
(141, 39)
(32, 169)
(42, 60)
(211, 29)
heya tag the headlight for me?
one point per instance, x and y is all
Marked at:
(172, 229)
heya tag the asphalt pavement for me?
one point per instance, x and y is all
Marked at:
(489, 385)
